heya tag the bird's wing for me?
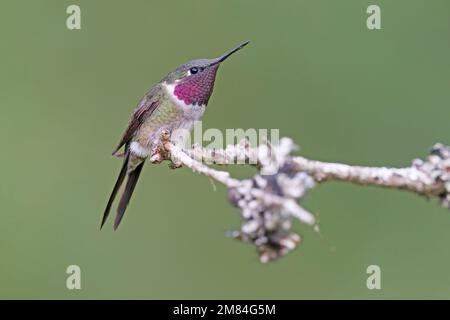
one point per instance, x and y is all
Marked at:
(145, 108)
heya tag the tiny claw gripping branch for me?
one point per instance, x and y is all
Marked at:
(160, 150)
(269, 203)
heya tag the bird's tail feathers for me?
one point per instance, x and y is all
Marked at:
(120, 179)
(133, 177)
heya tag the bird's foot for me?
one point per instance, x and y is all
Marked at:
(159, 151)
(156, 155)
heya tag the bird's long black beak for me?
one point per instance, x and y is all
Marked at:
(229, 53)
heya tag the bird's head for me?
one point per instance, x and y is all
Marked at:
(193, 82)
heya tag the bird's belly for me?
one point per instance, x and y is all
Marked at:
(169, 115)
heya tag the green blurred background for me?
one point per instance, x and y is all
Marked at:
(313, 70)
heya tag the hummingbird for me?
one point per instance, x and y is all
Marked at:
(176, 102)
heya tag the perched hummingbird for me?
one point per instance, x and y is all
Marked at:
(176, 102)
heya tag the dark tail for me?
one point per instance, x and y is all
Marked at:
(133, 177)
(116, 188)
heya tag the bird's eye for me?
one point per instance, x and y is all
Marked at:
(194, 70)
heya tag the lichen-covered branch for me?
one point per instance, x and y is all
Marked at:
(415, 178)
(269, 201)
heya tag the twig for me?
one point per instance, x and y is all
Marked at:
(416, 178)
